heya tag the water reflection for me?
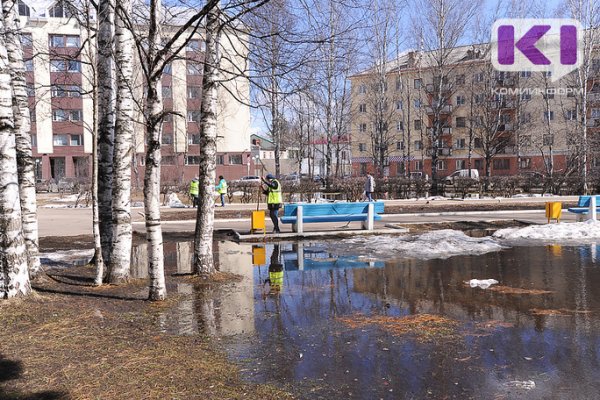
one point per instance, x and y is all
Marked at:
(283, 319)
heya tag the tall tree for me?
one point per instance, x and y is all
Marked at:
(106, 125)
(14, 271)
(120, 260)
(22, 133)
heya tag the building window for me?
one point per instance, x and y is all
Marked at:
(57, 41)
(59, 115)
(193, 116)
(417, 103)
(76, 140)
(168, 69)
(167, 160)
(525, 140)
(57, 65)
(32, 116)
(460, 143)
(571, 115)
(441, 165)
(501, 163)
(399, 145)
(29, 65)
(192, 160)
(549, 93)
(30, 90)
(418, 145)
(460, 80)
(549, 115)
(195, 45)
(418, 165)
(398, 84)
(526, 74)
(193, 138)
(362, 108)
(235, 159)
(194, 68)
(362, 89)
(418, 83)
(166, 139)
(399, 105)
(60, 140)
(400, 126)
(65, 91)
(362, 147)
(194, 92)
(460, 100)
(525, 96)
(548, 140)
(478, 77)
(461, 164)
(525, 163)
(24, 10)
(477, 143)
(479, 98)
(61, 10)
(34, 140)
(525, 118)
(167, 92)
(461, 122)
(26, 40)
(417, 124)
(362, 127)
(479, 164)
(220, 159)
(64, 41)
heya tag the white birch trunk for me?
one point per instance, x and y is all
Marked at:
(120, 261)
(203, 238)
(25, 165)
(106, 109)
(14, 273)
(154, 109)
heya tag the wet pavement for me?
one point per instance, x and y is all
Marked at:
(327, 324)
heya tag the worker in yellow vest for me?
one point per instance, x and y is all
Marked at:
(275, 280)
(274, 199)
(222, 189)
(194, 190)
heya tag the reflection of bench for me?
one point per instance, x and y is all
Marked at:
(300, 213)
(587, 205)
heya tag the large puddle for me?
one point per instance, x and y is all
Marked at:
(328, 324)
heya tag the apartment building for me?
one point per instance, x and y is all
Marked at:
(60, 80)
(470, 115)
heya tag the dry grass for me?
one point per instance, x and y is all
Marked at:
(512, 290)
(563, 312)
(424, 327)
(77, 347)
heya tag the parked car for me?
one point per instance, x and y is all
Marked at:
(250, 179)
(291, 178)
(462, 173)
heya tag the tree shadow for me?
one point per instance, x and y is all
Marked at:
(12, 370)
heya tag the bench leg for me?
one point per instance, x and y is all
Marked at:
(369, 224)
(299, 223)
(580, 217)
(592, 212)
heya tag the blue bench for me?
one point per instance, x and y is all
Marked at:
(585, 206)
(299, 213)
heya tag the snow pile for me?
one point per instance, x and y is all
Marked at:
(67, 257)
(482, 283)
(438, 244)
(578, 231)
(174, 202)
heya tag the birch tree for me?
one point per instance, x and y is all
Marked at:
(14, 271)
(22, 126)
(105, 67)
(120, 260)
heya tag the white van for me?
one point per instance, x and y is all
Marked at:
(461, 173)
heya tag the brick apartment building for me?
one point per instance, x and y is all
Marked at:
(524, 120)
(60, 79)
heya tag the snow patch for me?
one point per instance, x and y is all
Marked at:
(577, 231)
(438, 244)
(174, 202)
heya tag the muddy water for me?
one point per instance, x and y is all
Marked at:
(289, 321)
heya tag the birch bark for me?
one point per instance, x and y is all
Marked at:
(25, 164)
(106, 123)
(14, 273)
(120, 261)
(154, 114)
(203, 237)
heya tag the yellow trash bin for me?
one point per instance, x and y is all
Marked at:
(553, 210)
(259, 256)
(258, 221)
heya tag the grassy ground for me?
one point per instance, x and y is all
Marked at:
(72, 341)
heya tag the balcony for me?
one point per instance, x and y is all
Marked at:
(505, 128)
(447, 109)
(503, 104)
(441, 151)
(431, 88)
(446, 130)
(593, 123)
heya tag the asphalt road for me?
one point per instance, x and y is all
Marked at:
(78, 221)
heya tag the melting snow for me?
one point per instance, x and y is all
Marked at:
(578, 231)
(438, 244)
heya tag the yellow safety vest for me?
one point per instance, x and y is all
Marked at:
(194, 188)
(276, 279)
(222, 188)
(274, 196)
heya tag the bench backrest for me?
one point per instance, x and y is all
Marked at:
(312, 209)
(584, 201)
